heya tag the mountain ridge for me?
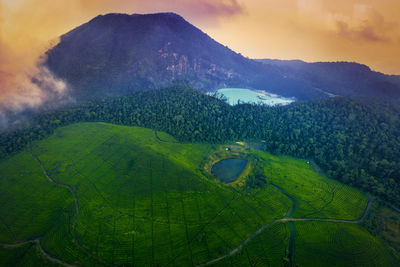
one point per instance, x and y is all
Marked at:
(337, 73)
(115, 54)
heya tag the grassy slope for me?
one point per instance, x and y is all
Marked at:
(384, 222)
(29, 203)
(318, 243)
(267, 249)
(144, 201)
(27, 255)
(316, 196)
(340, 244)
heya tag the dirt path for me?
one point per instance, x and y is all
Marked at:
(37, 241)
(240, 246)
(292, 230)
(64, 186)
(18, 244)
(75, 239)
(294, 204)
(287, 219)
(165, 141)
(50, 258)
(44, 253)
(331, 219)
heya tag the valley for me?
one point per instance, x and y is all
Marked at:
(102, 194)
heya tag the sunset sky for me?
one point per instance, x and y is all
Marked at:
(365, 31)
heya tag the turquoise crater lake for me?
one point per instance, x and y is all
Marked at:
(234, 95)
(228, 170)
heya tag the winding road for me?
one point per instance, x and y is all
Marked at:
(37, 240)
(44, 253)
(64, 186)
(287, 219)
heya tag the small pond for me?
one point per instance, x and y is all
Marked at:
(228, 170)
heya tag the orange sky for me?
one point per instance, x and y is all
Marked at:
(365, 31)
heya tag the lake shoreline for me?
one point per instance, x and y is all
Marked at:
(244, 95)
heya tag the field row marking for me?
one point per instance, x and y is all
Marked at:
(69, 188)
(235, 250)
(44, 253)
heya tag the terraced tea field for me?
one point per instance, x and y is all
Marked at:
(354, 245)
(98, 194)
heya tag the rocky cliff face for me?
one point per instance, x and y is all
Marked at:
(116, 54)
(180, 67)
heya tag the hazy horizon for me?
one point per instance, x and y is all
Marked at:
(365, 32)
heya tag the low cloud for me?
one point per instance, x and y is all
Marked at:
(211, 10)
(25, 83)
(203, 12)
(27, 26)
(38, 88)
(365, 32)
(369, 27)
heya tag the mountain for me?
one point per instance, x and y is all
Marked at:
(115, 54)
(340, 78)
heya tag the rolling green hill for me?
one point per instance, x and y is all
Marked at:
(102, 194)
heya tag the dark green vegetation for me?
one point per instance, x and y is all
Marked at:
(115, 54)
(384, 221)
(319, 197)
(270, 248)
(141, 200)
(101, 194)
(341, 244)
(228, 170)
(106, 194)
(316, 244)
(354, 141)
(21, 256)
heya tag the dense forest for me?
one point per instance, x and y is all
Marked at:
(354, 141)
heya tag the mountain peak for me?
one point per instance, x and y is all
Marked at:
(114, 54)
(122, 17)
(132, 24)
(136, 15)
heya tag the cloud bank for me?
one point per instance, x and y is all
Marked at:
(29, 27)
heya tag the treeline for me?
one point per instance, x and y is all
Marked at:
(257, 177)
(354, 141)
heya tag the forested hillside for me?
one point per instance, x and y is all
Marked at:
(354, 141)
